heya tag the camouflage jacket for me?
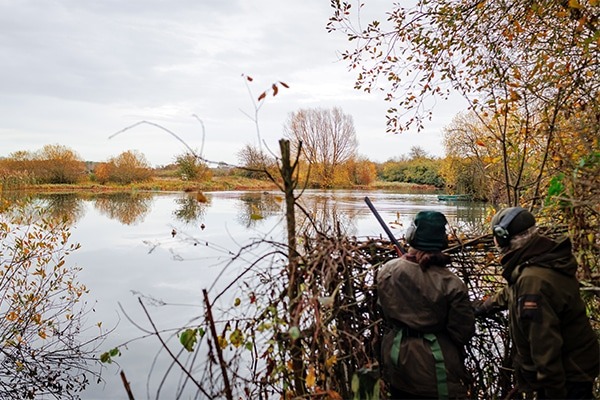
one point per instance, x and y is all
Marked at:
(419, 302)
(552, 334)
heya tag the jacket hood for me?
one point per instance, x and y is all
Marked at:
(542, 252)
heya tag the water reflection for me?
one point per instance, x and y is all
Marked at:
(469, 217)
(131, 208)
(337, 211)
(65, 206)
(191, 208)
(254, 207)
(127, 208)
(325, 213)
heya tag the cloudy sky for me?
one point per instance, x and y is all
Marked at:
(75, 72)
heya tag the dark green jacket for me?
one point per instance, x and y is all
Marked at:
(434, 301)
(552, 334)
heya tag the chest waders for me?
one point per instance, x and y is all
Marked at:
(438, 356)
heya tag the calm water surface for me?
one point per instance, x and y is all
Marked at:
(167, 248)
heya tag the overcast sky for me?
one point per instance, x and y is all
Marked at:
(74, 72)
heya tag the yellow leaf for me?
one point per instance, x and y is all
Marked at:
(574, 4)
(591, 237)
(12, 316)
(40, 272)
(331, 361)
(236, 338)
(42, 334)
(311, 378)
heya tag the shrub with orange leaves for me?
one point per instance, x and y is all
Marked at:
(41, 309)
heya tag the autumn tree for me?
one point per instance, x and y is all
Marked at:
(574, 189)
(103, 171)
(417, 152)
(531, 62)
(361, 171)
(418, 167)
(52, 164)
(17, 168)
(528, 70)
(59, 164)
(11, 177)
(129, 166)
(191, 167)
(47, 351)
(254, 162)
(470, 166)
(328, 140)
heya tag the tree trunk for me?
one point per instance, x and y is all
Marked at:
(294, 270)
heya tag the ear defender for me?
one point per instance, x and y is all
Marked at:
(411, 232)
(500, 230)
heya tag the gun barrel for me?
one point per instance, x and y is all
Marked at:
(399, 249)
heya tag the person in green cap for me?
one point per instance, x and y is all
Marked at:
(428, 317)
(557, 351)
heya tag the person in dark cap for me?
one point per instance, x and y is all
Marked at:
(557, 351)
(428, 317)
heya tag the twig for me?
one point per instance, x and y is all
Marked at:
(197, 156)
(203, 135)
(127, 387)
(213, 331)
(162, 342)
(159, 127)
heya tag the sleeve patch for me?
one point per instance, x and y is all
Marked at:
(530, 308)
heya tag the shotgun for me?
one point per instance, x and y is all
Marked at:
(399, 249)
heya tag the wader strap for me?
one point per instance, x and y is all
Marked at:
(440, 367)
(395, 352)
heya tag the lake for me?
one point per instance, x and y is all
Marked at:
(168, 247)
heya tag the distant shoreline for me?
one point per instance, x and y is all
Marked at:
(215, 184)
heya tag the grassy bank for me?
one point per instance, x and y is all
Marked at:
(159, 184)
(217, 183)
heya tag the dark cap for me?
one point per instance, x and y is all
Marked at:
(428, 232)
(520, 220)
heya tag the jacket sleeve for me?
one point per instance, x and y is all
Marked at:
(493, 304)
(461, 319)
(540, 324)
